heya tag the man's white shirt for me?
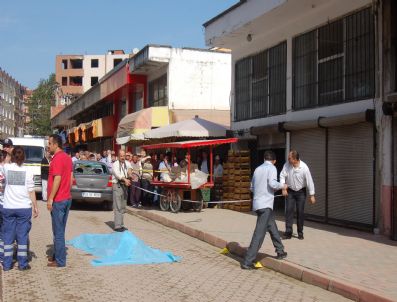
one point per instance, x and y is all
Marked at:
(120, 170)
(297, 178)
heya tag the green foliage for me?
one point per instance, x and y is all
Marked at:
(40, 106)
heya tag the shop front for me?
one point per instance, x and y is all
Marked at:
(340, 152)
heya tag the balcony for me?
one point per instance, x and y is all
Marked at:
(150, 58)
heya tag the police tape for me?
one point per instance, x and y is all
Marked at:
(198, 201)
(36, 165)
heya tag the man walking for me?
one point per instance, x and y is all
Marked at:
(120, 190)
(60, 179)
(264, 184)
(296, 175)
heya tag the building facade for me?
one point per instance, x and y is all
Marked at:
(11, 106)
(307, 76)
(76, 74)
(186, 82)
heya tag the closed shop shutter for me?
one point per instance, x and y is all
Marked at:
(350, 173)
(311, 144)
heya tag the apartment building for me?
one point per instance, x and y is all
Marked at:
(177, 83)
(309, 76)
(11, 106)
(76, 74)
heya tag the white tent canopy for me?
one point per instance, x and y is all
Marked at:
(195, 127)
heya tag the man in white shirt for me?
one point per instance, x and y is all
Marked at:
(76, 157)
(296, 175)
(218, 169)
(264, 184)
(120, 190)
(204, 164)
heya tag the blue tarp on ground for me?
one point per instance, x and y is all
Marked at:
(120, 248)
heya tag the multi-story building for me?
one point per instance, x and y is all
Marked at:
(11, 106)
(309, 76)
(76, 74)
(179, 82)
(26, 115)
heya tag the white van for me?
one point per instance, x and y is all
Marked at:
(34, 153)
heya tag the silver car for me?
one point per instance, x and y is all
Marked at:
(92, 183)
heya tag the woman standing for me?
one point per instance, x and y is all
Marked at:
(19, 196)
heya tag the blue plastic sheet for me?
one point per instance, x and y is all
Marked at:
(120, 248)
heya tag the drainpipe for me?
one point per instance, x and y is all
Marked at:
(287, 143)
(326, 166)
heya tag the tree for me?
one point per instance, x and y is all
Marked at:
(40, 106)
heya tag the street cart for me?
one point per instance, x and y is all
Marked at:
(172, 193)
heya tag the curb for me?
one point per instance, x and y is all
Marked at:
(307, 275)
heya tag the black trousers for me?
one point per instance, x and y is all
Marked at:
(147, 198)
(264, 223)
(295, 199)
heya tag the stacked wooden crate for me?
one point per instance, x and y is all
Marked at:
(236, 180)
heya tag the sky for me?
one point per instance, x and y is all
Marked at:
(32, 33)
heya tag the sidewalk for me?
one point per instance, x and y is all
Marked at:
(355, 264)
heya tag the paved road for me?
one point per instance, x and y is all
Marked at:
(202, 275)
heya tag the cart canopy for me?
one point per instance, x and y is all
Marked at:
(196, 127)
(191, 144)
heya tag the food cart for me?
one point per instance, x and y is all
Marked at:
(172, 197)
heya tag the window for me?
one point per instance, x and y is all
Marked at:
(116, 62)
(335, 63)
(64, 64)
(76, 63)
(75, 81)
(64, 81)
(260, 84)
(158, 92)
(94, 63)
(33, 154)
(90, 168)
(94, 80)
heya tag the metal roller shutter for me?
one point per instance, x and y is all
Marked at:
(350, 173)
(311, 144)
(394, 202)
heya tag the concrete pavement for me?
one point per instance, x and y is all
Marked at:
(202, 275)
(355, 264)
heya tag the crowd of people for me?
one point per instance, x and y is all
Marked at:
(140, 170)
(132, 179)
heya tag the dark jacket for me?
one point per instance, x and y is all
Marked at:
(45, 168)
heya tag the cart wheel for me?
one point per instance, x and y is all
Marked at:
(198, 206)
(176, 202)
(164, 201)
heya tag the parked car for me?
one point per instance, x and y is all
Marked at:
(92, 183)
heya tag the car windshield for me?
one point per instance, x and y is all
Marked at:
(88, 168)
(33, 154)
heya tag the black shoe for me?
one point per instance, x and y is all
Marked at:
(122, 229)
(282, 255)
(300, 236)
(287, 236)
(247, 267)
(25, 268)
